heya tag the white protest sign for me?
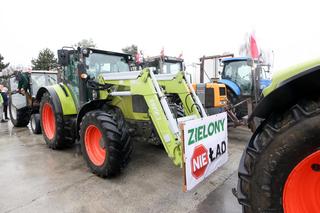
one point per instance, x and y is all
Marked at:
(205, 147)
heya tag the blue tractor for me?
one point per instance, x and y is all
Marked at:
(245, 79)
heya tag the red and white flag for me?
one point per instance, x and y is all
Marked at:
(254, 51)
(162, 52)
(139, 57)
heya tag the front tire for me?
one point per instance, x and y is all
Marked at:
(240, 110)
(105, 142)
(280, 168)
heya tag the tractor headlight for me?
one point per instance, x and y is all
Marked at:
(223, 102)
(94, 94)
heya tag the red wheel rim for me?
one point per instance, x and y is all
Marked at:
(93, 143)
(48, 121)
(302, 189)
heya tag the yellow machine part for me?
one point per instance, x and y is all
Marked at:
(220, 94)
(213, 95)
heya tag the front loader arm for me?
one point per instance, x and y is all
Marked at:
(159, 113)
(162, 118)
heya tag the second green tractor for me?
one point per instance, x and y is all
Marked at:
(103, 105)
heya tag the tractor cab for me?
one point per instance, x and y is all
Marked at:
(245, 79)
(83, 68)
(164, 64)
(238, 75)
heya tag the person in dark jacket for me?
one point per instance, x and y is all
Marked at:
(24, 85)
(23, 82)
(4, 94)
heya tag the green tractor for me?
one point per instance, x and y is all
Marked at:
(102, 104)
(212, 95)
(23, 106)
(280, 167)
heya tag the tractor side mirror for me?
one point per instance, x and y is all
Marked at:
(63, 57)
(85, 52)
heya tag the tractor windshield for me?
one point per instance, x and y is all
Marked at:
(42, 79)
(98, 63)
(171, 67)
(168, 67)
(240, 73)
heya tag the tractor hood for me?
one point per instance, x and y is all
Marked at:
(264, 83)
(280, 77)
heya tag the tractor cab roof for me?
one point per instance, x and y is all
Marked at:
(65, 52)
(109, 52)
(45, 71)
(72, 50)
(165, 58)
(235, 59)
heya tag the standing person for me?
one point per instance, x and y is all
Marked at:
(5, 98)
(1, 107)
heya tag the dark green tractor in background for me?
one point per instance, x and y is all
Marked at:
(24, 108)
(280, 167)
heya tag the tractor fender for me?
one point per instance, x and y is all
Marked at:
(301, 86)
(91, 105)
(61, 98)
(231, 85)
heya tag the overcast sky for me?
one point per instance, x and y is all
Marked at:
(289, 28)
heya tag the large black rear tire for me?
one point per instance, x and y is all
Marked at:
(278, 145)
(105, 142)
(19, 117)
(53, 126)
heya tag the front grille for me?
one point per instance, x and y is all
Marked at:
(209, 97)
(222, 91)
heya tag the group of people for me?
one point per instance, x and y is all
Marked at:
(4, 102)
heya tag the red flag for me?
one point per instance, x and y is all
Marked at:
(253, 47)
(181, 54)
(138, 58)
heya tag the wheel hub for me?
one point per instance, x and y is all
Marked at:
(95, 145)
(302, 189)
(48, 121)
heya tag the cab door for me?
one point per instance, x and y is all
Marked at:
(71, 79)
